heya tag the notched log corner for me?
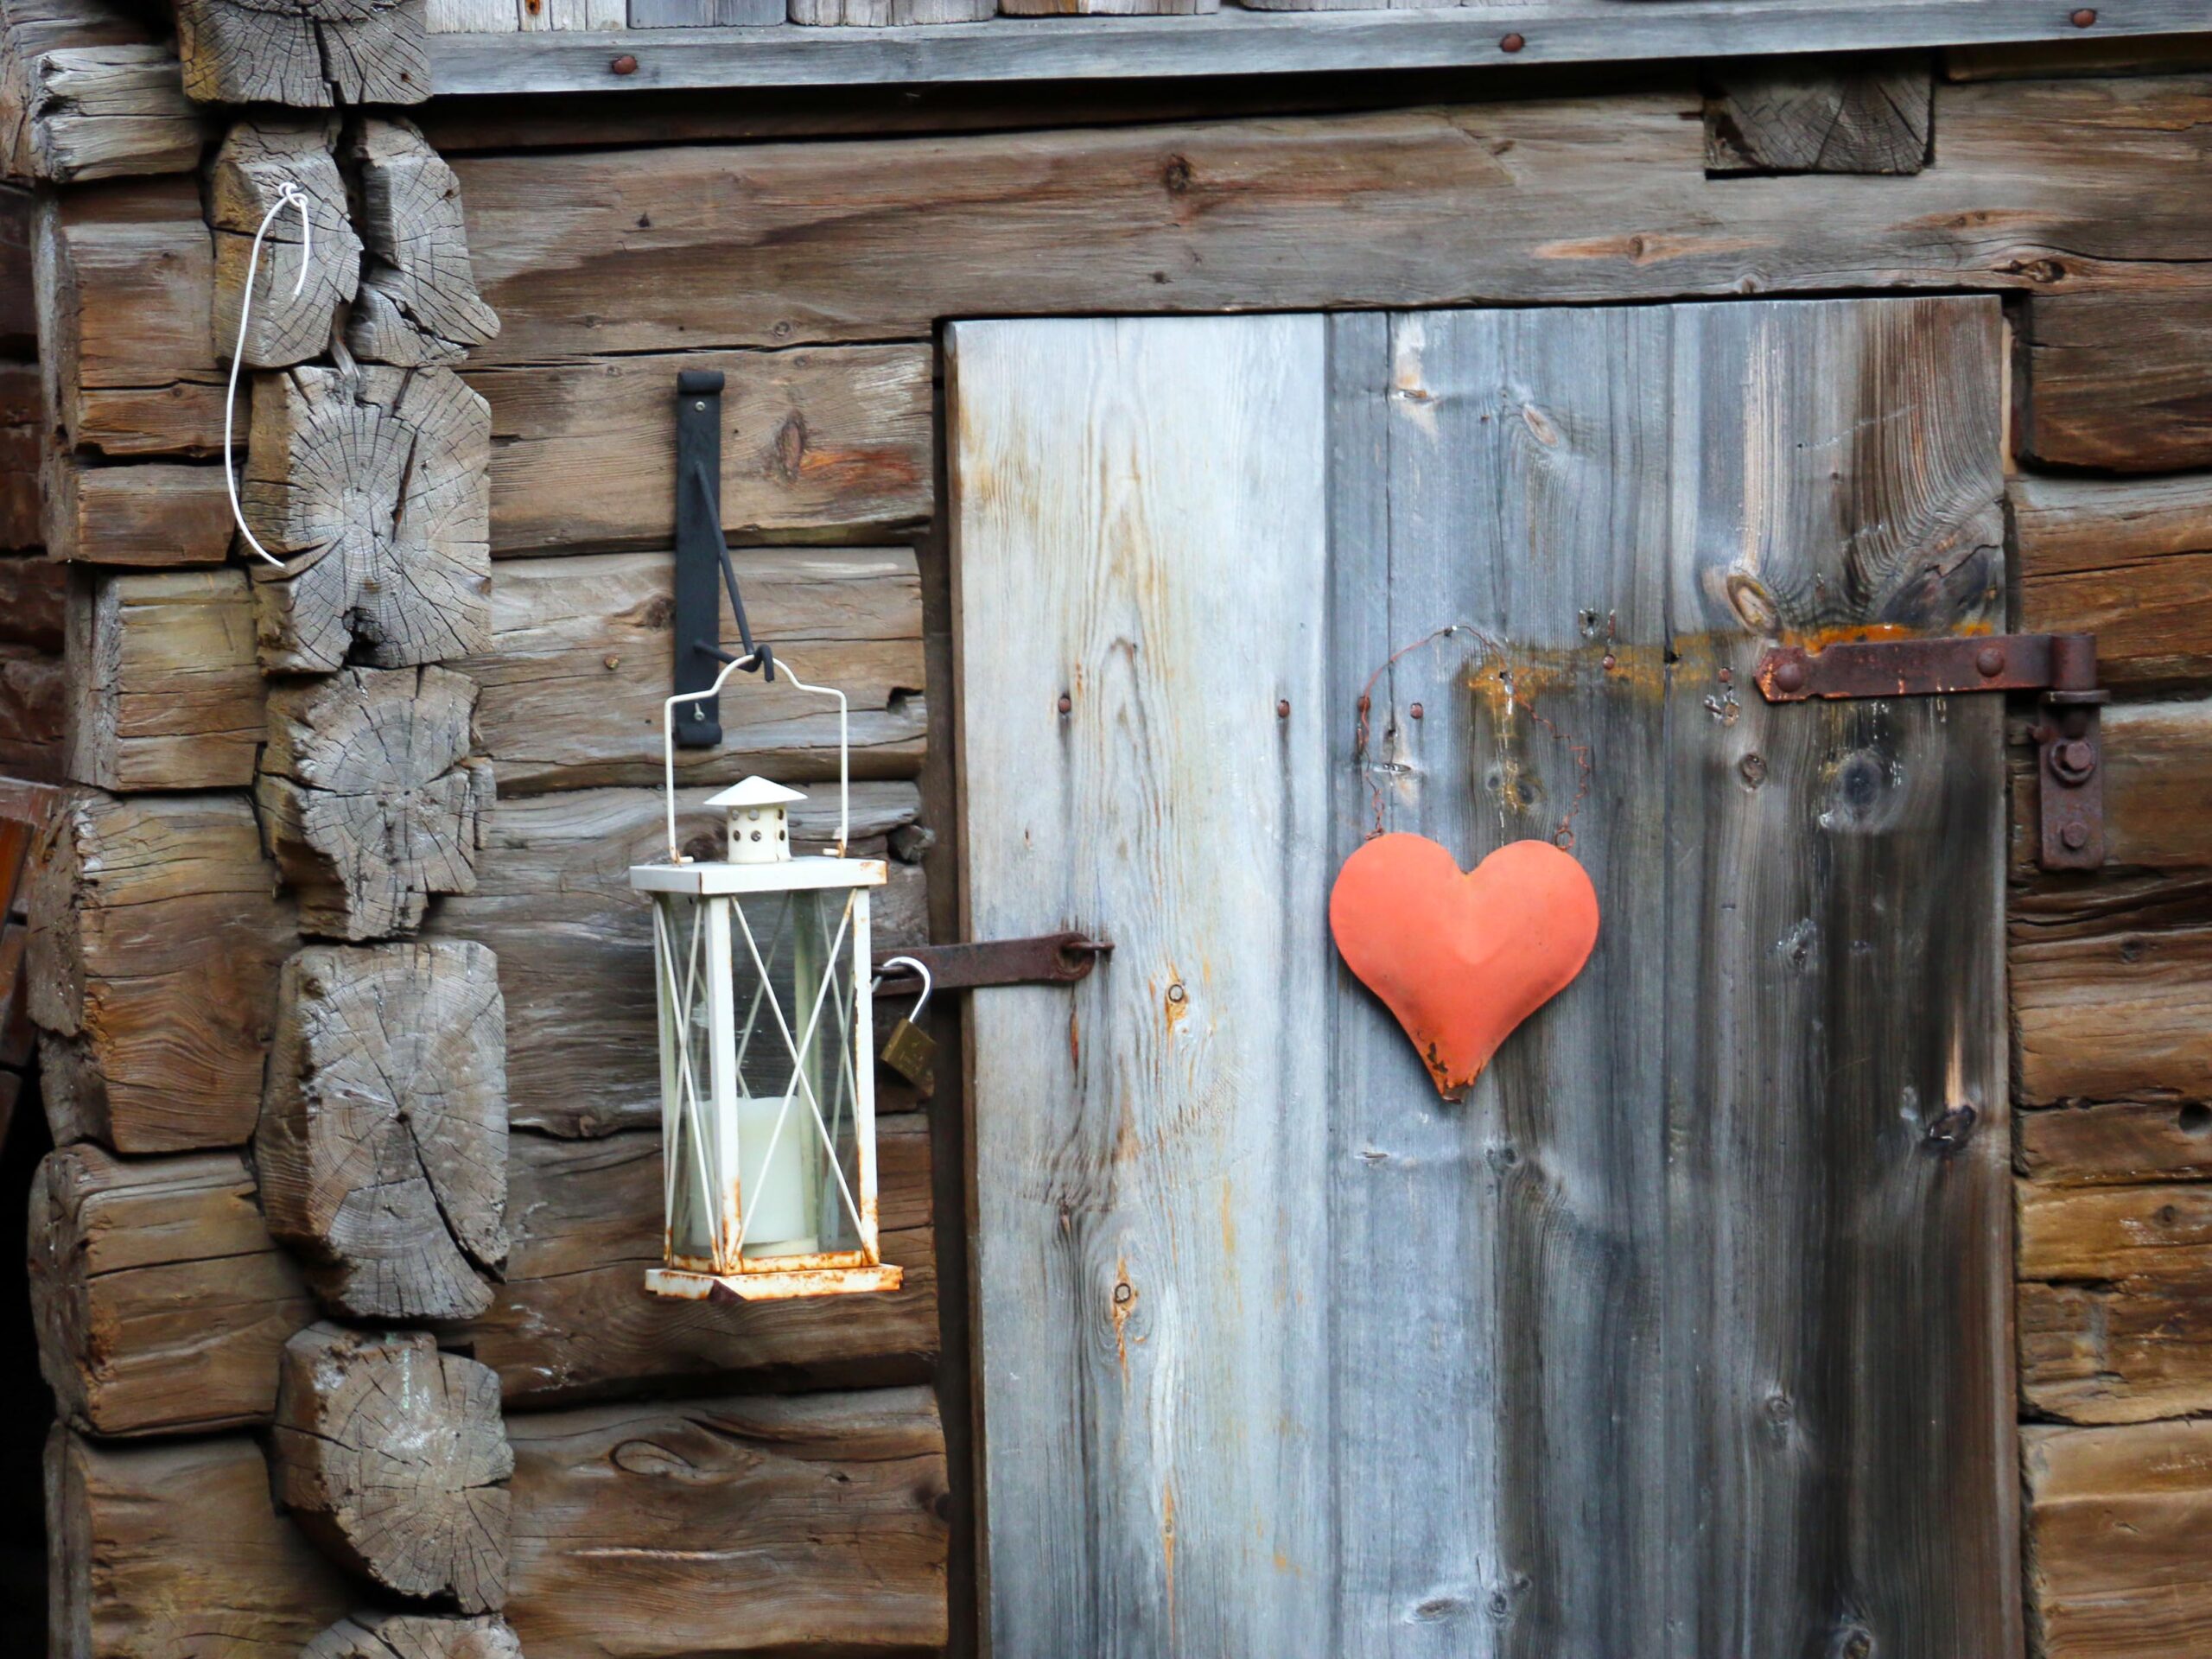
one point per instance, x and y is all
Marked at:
(370, 800)
(392, 1457)
(419, 303)
(376, 483)
(383, 1145)
(257, 160)
(1793, 115)
(414, 1636)
(308, 53)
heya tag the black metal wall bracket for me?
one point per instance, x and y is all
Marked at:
(2069, 753)
(703, 562)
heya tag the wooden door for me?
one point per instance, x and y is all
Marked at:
(1686, 1334)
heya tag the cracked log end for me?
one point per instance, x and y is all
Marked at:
(382, 1144)
(257, 158)
(414, 1636)
(392, 1457)
(370, 800)
(309, 55)
(419, 301)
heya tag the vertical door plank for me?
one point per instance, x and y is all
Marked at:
(1510, 1490)
(1840, 1255)
(1139, 521)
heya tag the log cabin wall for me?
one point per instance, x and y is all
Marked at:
(349, 838)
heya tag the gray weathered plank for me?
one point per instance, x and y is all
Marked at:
(1139, 515)
(1519, 1235)
(1839, 1379)
(1550, 31)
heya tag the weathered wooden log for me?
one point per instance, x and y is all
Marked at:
(1802, 116)
(175, 1551)
(2109, 1233)
(570, 1321)
(124, 282)
(2118, 381)
(370, 797)
(155, 940)
(157, 514)
(311, 55)
(88, 90)
(414, 1636)
(21, 446)
(390, 1455)
(382, 1144)
(2116, 1520)
(828, 441)
(2111, 990)
(627, 1519)
(375, 480)
(886, 13)
(2130, 1352)
(34, 702)
(164, 693)
(1601, 200)
(419, 303)
(572, 687)
(2128, 561)
(162, 1302)
(553, 900)
(18, 309)
(34, 604)
(257, 160)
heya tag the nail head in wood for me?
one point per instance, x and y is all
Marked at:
(624, 65)
(2084, 18)
(1512, 43)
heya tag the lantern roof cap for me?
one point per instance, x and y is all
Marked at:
(755, 792)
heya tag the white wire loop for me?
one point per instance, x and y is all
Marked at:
(920, 967)
(288, 194)
(844, 744)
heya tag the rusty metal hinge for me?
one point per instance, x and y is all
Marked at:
(2069, 753)
(1050, 959)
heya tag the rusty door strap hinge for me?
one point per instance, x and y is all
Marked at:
(1050, 959)
(2069, 753)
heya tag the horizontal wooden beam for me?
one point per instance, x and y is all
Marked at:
(2116, 1518)
(1258, 43)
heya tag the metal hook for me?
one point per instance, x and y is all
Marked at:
(921, 1001)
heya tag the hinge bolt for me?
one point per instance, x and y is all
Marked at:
(2074, 761)
(1789, 676)
(2076, 835)
(1990, 660)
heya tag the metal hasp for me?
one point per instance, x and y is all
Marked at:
(2070, 753)
(1050, 959)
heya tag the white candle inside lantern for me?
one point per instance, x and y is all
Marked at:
(775, 1188)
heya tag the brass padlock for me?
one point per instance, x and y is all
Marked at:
(909, 1049)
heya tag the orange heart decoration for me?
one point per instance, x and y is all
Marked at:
(1462, 958)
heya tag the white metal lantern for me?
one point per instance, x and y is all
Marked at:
(761, 963)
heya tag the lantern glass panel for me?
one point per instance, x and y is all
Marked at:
(761, 1076)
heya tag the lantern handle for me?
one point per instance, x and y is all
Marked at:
(731, 665)
(920, 967)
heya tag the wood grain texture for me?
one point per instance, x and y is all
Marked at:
(824, 442)
(176, 1552)
(2129, 561)
(34, 604)
(162, 1302)
(703, 14)
(2116, 1520)
(21, 437)
(382, 1142)
(419, 303)
(390, 1454)
(1557, 31)
(123, 281)
(628, 1520)
(2109, 1233)
(1140, 527)
(310, 55)
(156, 935)
(575, 943)
(2130, 1352)
(2042, 187)
(2115, 1144)
(164, 690)
(34, 700)
(414, 1636)
(2117, 381)
(89, 90)
(1641, 1204)
(1803, 116)
(579, 668)
(371, 795)
(258, 159)
(893, 14)
(157, 514)
(2111, 998)
(372, 480)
